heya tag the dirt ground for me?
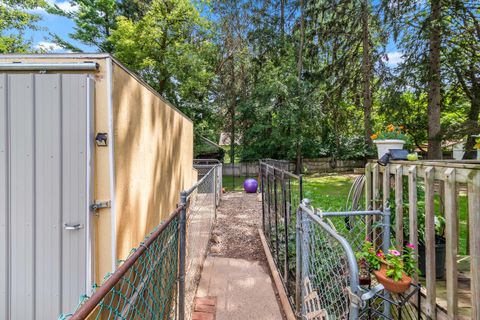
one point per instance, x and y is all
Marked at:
(235, 234)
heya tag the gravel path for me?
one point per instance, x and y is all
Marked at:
(236, 271)
(235, 234)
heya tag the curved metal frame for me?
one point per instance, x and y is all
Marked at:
(358, 293)
(352, 261)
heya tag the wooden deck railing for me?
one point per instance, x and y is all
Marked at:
(444, 178)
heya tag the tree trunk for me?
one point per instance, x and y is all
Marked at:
(473, 125)
(298, 151)
(434, 93)
(366, 68)
(161, 85)
(232, 132)
(282, 22)
(300, 47)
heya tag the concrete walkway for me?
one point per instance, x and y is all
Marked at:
(242, 289)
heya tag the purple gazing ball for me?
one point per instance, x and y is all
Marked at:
(250, 185)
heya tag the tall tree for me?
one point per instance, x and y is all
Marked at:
(15, 19)
(435, 81)
(298, 153)
(463, 63)
(232, 69)
(366, 73)
(419, 28)
(94, 21)
(170, 47)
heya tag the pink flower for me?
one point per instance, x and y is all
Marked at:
(367, 239)
(380, 254)
(394, 252)
(411, 246)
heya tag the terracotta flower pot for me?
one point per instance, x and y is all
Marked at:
(391, 285)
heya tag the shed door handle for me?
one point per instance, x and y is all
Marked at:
(69, 226)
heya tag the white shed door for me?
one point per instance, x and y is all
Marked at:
(44, 193)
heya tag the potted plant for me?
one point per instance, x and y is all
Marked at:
(392, 138)
(477, 145)
(440, 245)
(439, 221)
(393, 269)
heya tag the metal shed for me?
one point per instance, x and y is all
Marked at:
(91, 160)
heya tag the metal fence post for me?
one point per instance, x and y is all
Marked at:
(303, 242)
(215, 195)
(220, 182)
(275, 200)
(182, 253)
(262, 190)
(286, 225)
(300, 187)
(298, 262)
(385, 247)
(269, 206)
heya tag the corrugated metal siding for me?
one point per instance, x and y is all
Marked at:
(3, 199)
(21, 204)
(48, 160)
(74, 186)
(43, 141)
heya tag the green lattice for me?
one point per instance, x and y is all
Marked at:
(148, 289)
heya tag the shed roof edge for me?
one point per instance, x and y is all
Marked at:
(93, 56)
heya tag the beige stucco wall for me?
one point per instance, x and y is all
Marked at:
(153, 158)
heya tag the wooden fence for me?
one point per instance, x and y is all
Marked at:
(442, 179)
(310, 166)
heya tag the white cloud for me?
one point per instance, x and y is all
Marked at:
(63, 5)
(48, 46)
(394, 58)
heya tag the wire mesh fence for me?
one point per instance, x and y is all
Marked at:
(284, 165)
(357, 226)
(201, 203)
(281, 194)
(203, 166)
(159, 278)
(328, 269)
(314, 252)
(333, 284)
(144, 286)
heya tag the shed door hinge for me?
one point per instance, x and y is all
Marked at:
(100, 205)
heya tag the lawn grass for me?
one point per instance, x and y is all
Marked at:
(226, 158)
(328, 193)
(234, 184)
(463, 218)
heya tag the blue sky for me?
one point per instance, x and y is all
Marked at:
(63, 26)
(55, 24)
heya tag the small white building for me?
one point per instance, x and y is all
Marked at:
(458, 150)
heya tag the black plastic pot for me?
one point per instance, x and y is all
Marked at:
(439, 257)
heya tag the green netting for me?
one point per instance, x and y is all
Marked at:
(145, 284)
(148, 289)
(201, 213)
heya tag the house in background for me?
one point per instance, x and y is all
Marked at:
(91, 160)
(207, 149)
(454, 149)
(458, 149)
